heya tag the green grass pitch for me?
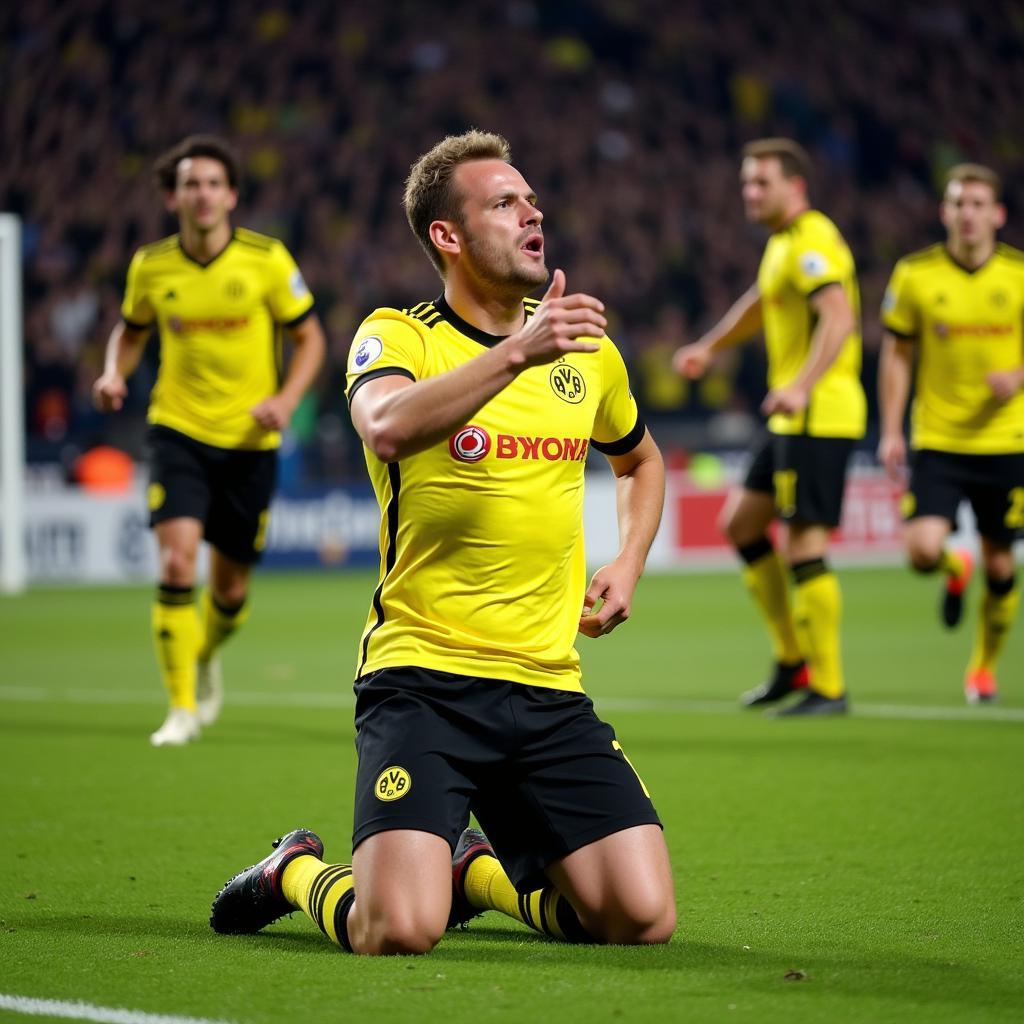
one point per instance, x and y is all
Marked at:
(863, 869)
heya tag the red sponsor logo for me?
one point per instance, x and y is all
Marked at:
(470, 444)
(213, 323)
(980, 330)
(553, 449)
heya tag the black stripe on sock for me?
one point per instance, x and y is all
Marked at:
(544, 926)
(809, 570)
(168, 594)
(228, 611)
(341, 912)
(569, 923)
(524, 910)
(755, 550)
(321, 890)
(1000, 588)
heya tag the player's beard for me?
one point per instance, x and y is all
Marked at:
(501, 269)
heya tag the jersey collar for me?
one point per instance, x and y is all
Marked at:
(466, 328)
(212, 259)
(963, 266)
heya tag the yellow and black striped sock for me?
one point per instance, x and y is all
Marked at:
(323, 892)
(818, 608)
(998, 610)
(765, 576)
(176, 639)
(219, 622)
(546, 910)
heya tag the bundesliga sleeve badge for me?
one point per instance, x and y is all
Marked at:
(367, 352)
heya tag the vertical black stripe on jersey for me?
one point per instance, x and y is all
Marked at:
(395, 478)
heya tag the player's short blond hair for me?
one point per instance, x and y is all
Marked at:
(430, 192)
(792, 157)
(976, 172)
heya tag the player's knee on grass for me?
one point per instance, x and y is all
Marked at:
(408, 931)
(636, 919)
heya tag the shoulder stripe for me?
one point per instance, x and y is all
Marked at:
(931, 252)
(1010, 252)
(417, 309)
(532, 302)
(254, 238)
(161, 246)
(425, 313)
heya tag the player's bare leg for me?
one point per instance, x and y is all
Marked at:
(927, 551)
(403, 883)
(621, 887)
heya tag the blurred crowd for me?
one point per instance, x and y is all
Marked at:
(625, 115)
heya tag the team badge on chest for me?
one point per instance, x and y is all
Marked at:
(567, 382)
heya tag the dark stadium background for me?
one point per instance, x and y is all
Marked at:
(625, 115)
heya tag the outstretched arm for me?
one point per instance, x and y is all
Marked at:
(743, 320)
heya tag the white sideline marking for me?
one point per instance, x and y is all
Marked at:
(666, 705)
(86, 1011)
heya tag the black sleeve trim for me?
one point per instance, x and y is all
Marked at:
(136, 327)
(383, 371)
(625, 444)
(821, 287)
(295, 321)
(902, 335)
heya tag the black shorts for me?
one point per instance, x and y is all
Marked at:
(541, 772)
(993, 484)
(227, 490)
(807, 476)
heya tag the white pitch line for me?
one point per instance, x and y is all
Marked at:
(666, 705)
(86, 1011)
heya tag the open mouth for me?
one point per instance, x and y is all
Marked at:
(534, 245)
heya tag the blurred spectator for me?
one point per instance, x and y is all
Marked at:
(629, 115)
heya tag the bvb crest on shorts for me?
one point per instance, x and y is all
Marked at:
(392, 784)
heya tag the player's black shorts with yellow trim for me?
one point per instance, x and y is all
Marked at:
(993, 484)
(541, 772)
(228, 490)
(807, 476)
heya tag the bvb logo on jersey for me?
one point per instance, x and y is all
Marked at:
(567, 382)
(155, 496)
(234, 289)
(470, 444)
(392, 784)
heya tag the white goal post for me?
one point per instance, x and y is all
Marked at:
(13, 569)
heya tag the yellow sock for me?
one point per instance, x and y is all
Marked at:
(323, 892)
(951, 562)
(218, 623)
(766, 580)
(996, 616)
(545, 910)
(176, 638)
(818, 607)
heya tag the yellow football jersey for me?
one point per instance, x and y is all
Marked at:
(799, 260)
(219, 342)
(965, 324)
(481, 537)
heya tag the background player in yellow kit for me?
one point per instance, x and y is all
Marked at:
(807, 303)
(218, 297)
(476, 411)
(959, 308)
